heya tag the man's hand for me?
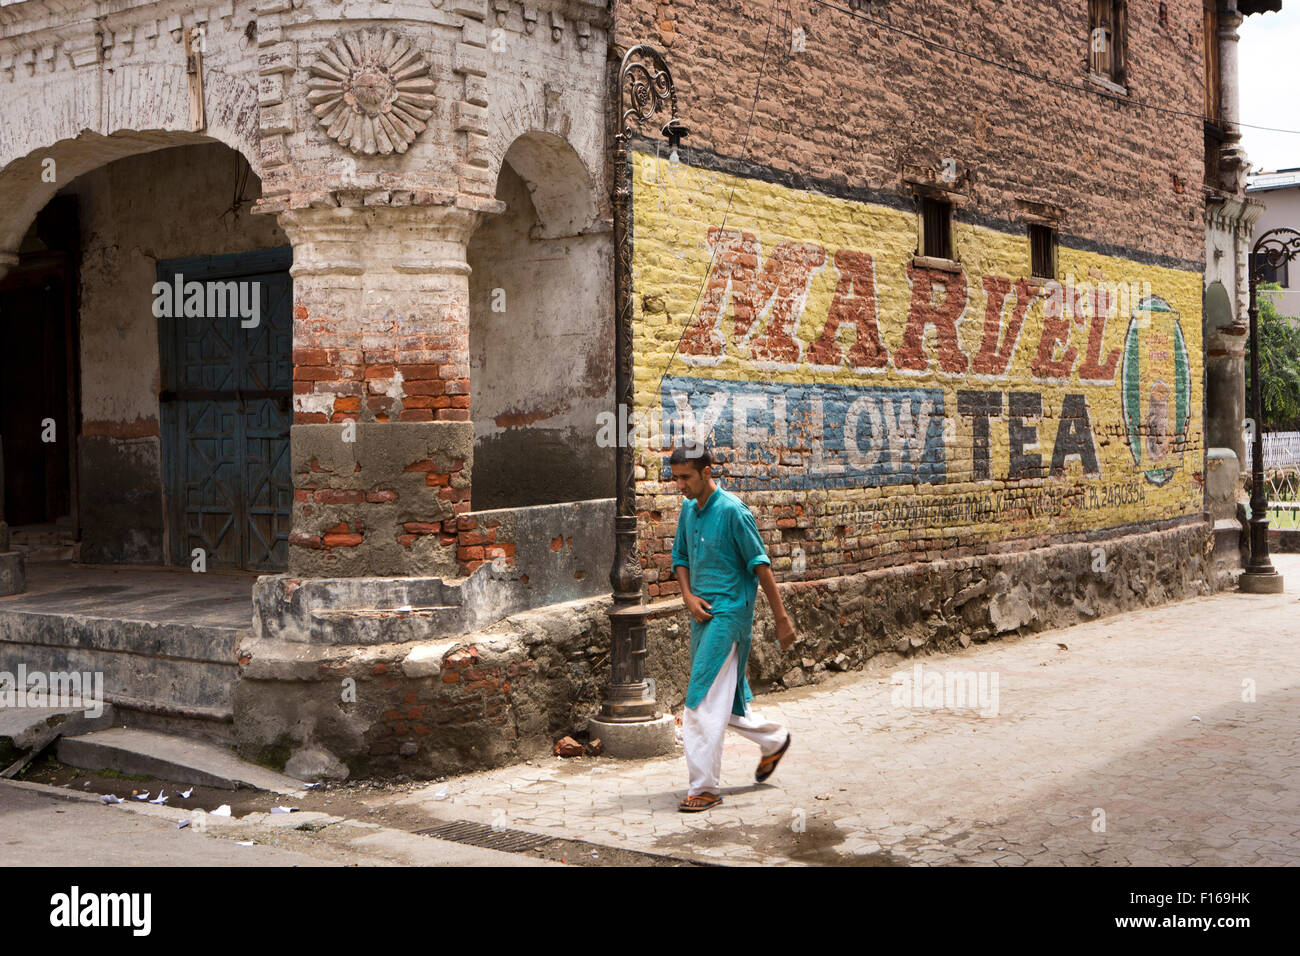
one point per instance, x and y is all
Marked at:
(785, 632)
(698, 608)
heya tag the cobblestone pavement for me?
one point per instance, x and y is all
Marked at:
(1130, 740)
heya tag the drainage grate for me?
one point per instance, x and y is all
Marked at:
(481, 834)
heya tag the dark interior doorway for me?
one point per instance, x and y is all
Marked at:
(38, 376)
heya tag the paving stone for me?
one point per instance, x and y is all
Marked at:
(1106, 727)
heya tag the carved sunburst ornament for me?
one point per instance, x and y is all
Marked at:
(371, 92)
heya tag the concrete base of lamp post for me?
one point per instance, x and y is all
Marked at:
(629, 741)
(1251, 583)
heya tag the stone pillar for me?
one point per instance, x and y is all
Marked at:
(1233, 164)
(382, 442)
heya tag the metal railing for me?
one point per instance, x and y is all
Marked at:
(1282, 486)
(1281, 450)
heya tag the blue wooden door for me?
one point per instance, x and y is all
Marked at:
(226, 411)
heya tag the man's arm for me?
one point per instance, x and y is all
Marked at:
(749, 547)
(767, 581)
(698, 608)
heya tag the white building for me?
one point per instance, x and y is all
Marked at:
(1279, 192)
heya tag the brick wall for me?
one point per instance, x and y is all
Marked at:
(361, 379)
(777, 283)
(861, 101)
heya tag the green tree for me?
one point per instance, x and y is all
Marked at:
(1279, 364)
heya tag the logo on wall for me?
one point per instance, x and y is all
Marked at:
(372, 92)
(1156, 389)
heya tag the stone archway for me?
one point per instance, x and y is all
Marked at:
(1224, 395)
(87, 101)
(137, 466)
(97, 90)
(541, 356)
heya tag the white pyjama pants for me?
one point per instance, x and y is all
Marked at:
(704, 727)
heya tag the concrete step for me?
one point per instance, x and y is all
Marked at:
(165, 757)
(45, 544)
(192, 667)
(356, 610)
(1229, 542)
(26, 731)
(23, 537)
(384, 625)
(45, 553)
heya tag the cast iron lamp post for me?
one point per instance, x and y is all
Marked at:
(1271, 250)
(645, 89)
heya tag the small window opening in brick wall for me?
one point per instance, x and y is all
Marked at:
(1107, 39)
(1042, 251)
(936, 228)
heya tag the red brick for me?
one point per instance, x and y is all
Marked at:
(312, 373)
(426, 387)
(342, 540)
(421, 527)
(414, 372)
(317, 357)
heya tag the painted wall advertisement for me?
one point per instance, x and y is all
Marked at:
(801, 337)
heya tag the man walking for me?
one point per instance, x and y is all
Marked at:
(719, 559)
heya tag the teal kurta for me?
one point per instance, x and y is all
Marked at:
(720, 546)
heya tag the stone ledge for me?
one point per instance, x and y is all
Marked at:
(506, 692)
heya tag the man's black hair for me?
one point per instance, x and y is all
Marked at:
(691, 453)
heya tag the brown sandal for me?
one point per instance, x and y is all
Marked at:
(767, 766)
(699, 802)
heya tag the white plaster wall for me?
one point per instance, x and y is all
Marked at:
(1281, 208)
(542, 370)
(134, 212)
(1220, 257)
(85, 85)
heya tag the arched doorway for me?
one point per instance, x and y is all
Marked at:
(145, 319)
(541, 350)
